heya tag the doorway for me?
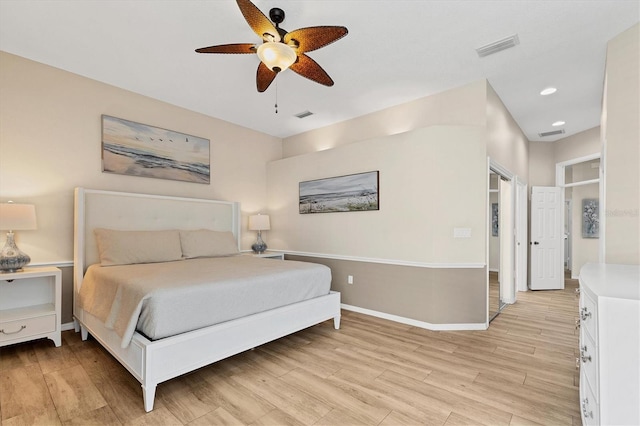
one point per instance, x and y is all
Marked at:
(495, 301)
(501, 239)
(580, 180)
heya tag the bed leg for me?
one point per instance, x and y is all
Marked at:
(336, 322)
(148, 394)
(83, 333)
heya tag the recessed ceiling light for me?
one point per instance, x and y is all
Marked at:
(558, 123)
(548, 91)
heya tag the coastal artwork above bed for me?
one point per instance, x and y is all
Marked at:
(357, 192)
(135, 149)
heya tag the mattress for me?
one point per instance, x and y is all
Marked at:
(164, 299)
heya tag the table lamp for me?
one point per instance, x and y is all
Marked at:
(259, 222)
(15, 217)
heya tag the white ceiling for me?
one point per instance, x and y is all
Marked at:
(396, 51)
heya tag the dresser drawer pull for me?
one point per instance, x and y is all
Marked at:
(578, 324)
(577, 363)
(586, 413)
(578, 292)
(13, 332)
(585, 314)
(584, 357)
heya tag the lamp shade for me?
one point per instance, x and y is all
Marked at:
(276, 56)
(259, 222)
(17, 217)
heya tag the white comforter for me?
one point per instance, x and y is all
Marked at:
(164, 299)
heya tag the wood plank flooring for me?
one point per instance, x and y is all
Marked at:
(371, 372)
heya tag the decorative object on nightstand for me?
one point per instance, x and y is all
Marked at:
(15, 217)
(259, 222)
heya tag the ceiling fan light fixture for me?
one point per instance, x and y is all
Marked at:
(276, 56)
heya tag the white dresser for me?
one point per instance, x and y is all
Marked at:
(610, 344)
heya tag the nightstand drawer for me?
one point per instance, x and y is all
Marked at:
(10, 330)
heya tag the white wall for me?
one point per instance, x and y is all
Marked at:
(50, 142)
(506, 143)
(431, 180)
(621, 130)
(464, 105)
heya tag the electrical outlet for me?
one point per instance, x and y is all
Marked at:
(350, 279)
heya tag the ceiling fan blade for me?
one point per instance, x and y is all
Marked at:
(259, 23)
(229, 48)
(307, 67)
(264, 77)
(313, 38)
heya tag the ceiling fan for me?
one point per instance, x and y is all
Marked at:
(281, 49)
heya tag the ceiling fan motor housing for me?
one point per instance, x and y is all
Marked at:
(276, 15)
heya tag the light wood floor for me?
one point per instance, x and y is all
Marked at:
(370, 372)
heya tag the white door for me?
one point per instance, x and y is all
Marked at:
(505, 218)
(547, 238)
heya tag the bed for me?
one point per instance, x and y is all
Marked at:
(152, 362)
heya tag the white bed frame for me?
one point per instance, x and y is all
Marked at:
(153, 362)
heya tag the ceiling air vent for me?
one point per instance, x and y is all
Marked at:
(551, 133)
(303, 114)
(498, 46)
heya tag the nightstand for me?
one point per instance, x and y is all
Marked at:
(267, 254)
(30, 305)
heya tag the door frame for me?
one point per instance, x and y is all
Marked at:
(521, 235)
(493, 165)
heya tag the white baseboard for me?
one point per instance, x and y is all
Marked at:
(67, 326)
(415, 323)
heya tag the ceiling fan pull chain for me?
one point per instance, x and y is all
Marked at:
(276, 105)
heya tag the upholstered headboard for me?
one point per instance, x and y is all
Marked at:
(129, 211)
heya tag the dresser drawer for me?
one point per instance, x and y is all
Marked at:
(588, 315)
(589, 407)
(10, 330)
(589, 359)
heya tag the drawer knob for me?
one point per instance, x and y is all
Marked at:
(584, 357)
(585, 411)
(13, 332)
(578, 324)
(585, 314)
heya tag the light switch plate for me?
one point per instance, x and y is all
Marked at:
(461, 232)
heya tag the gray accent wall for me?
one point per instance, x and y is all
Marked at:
(431, 295)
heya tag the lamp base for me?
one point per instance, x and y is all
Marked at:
(11, 258)
(259, 246)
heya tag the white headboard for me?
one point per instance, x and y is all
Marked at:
(129, 211)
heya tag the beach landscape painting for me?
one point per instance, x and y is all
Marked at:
(357, 192)
(135, 149)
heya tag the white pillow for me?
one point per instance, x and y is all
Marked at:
(129, 247)
(207, 243)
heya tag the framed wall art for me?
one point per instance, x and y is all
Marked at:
(135, 149)
(494, 219)
(357, 192)
(590, 218)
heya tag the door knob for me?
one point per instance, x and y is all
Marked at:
(536, 243)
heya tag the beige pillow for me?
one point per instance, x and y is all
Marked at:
(207, 243)
(128, 247)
